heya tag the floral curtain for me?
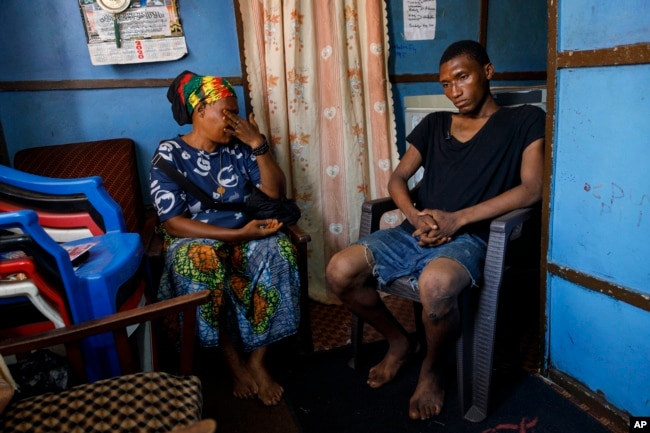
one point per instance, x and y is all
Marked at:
(319, 86)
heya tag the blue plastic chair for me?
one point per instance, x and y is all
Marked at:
(114, 275)
(53, 196)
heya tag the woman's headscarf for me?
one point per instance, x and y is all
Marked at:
(188, 90)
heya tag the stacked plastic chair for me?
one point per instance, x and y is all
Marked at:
(19, 278)
(53, 216)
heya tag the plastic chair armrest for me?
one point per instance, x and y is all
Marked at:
(511, 222)
(502, 230)
(373, 210)
(371, 213)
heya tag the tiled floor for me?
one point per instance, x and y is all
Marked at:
(330, 324)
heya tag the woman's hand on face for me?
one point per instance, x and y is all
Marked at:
(257, 229)
(245, 130)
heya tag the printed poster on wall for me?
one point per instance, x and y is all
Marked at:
(147, 31)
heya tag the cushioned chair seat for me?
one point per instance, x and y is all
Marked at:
(143, 402)
(134, 402)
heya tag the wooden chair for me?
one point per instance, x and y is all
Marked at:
(136, 401)
(475, 346)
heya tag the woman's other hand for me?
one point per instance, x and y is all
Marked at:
(257, 229)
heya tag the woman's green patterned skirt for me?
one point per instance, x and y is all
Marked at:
(254, 286)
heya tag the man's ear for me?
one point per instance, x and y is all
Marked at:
(489, 70)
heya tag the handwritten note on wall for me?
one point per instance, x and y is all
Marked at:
(419, 19)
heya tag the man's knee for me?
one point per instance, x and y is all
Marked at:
(337, 274)
(439, 292)
(344, 269)
(333, 276)
(439, 308)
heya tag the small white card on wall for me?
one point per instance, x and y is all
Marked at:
(419, 19)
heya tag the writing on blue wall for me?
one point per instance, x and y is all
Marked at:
(614, 200)
(404, 50)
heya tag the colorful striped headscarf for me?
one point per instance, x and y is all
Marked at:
(188, 90)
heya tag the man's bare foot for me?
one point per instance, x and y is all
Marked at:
(269, 391)
(429, 396)
(386, 370)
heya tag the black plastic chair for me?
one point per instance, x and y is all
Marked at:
(475, 345)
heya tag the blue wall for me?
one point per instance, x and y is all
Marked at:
(46, 41)
(602, 342)
(592, 24)
(601, 212)
(50, 45)
(600, 207)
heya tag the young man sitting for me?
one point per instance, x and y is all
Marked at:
(479, 163)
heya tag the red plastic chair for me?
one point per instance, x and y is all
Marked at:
(20, 279)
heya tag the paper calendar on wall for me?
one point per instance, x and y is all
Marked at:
(147, 31)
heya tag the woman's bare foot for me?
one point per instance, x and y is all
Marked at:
(429, 395)
(270, 392)
(397, 354)
(244, 384)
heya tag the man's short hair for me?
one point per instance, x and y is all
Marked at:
(471, 49)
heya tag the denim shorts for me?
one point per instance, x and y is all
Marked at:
(396, 254)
